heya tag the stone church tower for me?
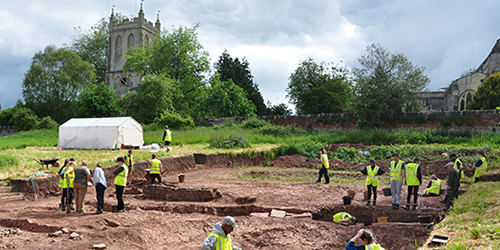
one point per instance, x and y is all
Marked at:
(122, 36)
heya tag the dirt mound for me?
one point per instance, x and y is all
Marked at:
(26, 225)
(289, 161)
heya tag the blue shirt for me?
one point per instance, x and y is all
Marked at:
(350, 246)
(99, 177)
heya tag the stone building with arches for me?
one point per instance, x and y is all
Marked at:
(124, 34)
(459, 93)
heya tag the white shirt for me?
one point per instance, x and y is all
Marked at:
(99, 177)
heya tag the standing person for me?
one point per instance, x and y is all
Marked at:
(453, 185)
(433, 187)
(64, 185)
(129, 161)
(397, 167)
(413, 180)
(372, 180)
(167, 138)
(82, 178)
(100, 186)
(457, 164)
(120, 182)
(325, 166)
(368, 241)
(220, 239)
(480, 166)
(70, 177)
(155, 169)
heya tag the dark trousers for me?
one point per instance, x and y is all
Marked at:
(155, 176)
(414, 190)
(99, 188)
(370, 188)
(323, 171)
(119, 197)
(70, 196)
(64, 197)
(450, 198)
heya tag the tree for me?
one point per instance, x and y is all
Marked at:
(24, 119)
(224, 99)
(232, 69)
(54, 80)
(319, 88)
(487, 95)
(386, 84)
(178, 55)
(97, 101)
(279, 109)
(153, 98)
(92, 46)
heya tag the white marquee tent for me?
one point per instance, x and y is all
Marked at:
(100, 133)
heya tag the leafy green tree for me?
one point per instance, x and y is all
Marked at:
(239, 71)
(174, 121)
(24, 119)
(319, 88)
(47, 123)
(53, 82)
(178, 55)
(92, 46)
(487, 95)
(386, 84)
(6, 117)
(153, 98)
(97, 101)
(278, 109)
(224, 99)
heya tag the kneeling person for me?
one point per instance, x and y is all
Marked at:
(344, 218)
(219, 239)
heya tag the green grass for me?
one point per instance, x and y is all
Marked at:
(33, 138)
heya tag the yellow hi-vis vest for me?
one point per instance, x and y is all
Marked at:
(374, 247)
(155, 166)
(372, 176)
(71, 176)
(168, 135)
(481, 169)
(129, 160)
(396, 172)
(411, 174)
(223, 243)
(341, 216)
(435, 187)
(324, 160)
(62, 181)
(121, 178)
(455, 166)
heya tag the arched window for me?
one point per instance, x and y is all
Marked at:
(462, 105)
(130, 41)
(118, 48)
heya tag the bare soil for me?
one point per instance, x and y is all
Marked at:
(151, 224)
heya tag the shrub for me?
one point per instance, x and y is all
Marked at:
(47, 123)
(174, 121)
(281, 131)
(6, 117)
(24, 119)
(228, 141)
(309, 149)
(254, 123)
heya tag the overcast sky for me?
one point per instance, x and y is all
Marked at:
(446, 37)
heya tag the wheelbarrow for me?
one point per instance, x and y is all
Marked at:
(47, 162)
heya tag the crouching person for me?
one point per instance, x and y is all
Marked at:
(219, 239)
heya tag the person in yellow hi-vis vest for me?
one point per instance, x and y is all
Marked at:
(397, 168)
(220, 239)
(167, 138)
(155, 169)
(325, 165)
(413, 180)
(368, 241)
(344, 218)
(120, 182)
(480, 166)
(129, 161)
(70, 178)
(457, 165)
(372, 181)
(433, 187)
(63, 185)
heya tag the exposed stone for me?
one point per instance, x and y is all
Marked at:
(99, 246)
(65, 230)
(169, 192)
(278, 213)
(57, 233)
(263, 215)
(74, 235)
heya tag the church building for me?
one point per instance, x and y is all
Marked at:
(123, 34)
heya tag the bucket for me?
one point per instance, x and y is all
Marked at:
(387, 191)
(424, 219)
(347, 200)
(181, 178)
(381, 219)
